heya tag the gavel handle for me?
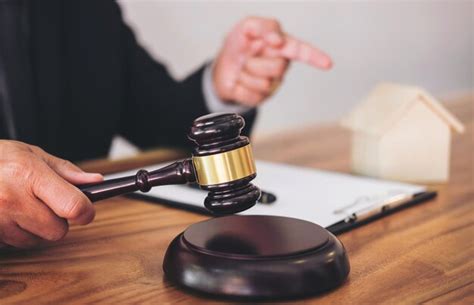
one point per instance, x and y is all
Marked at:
(179, 172)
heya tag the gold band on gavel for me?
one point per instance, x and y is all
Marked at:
(224, 167)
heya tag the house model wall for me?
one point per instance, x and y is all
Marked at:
(401, 133)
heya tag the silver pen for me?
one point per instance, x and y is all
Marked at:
(382, 206)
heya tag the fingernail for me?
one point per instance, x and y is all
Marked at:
(328, 64)
(96, 176)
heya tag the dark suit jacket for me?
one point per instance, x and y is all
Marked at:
(91, 81)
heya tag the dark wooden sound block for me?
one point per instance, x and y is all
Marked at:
(256, 257)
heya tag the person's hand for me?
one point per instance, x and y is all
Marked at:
(254, 58)
(37, 198)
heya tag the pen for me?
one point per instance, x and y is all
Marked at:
(375, 209)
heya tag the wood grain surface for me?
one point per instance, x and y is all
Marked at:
(422, 255)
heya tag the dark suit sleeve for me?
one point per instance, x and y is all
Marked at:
(157, 110)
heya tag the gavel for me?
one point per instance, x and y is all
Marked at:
(222, 163)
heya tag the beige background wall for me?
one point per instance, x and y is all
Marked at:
(427, 43)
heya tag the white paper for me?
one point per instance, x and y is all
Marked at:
(303, 193)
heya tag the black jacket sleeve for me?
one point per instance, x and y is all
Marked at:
(157, 110)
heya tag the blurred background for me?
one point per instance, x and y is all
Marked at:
(424, 43)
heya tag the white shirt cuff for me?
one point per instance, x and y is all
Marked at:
(213, 102)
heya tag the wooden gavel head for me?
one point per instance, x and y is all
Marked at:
(224, 163)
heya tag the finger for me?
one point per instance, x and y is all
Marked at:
(274, 38)
(64, 199)
(16, 237)
(247, 97)
(256, 47)
(255, 83)
(298, 50)
(266, 67)
(66, 169)
(263, 28)
(228, 79)
(41, 221)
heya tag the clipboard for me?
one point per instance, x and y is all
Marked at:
(347, 225)
(309, 194)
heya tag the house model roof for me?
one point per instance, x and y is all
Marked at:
(387, 103)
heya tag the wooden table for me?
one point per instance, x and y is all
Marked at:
(420, 255)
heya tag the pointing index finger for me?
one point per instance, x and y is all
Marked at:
(295, 49)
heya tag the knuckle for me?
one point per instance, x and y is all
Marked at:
(249, 19)
(266, 85)
(279, 67)
(75, 207)
(18, 168)
(256, 99)
(273, 22)
(65, 163)
(249, 63)
(12, 168)
(57, 231)
(239, 93)
(90, 216)
(13, 237)
(35, 149)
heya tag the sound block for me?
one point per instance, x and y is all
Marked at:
(256, 257)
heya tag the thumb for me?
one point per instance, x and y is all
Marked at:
(67, 169)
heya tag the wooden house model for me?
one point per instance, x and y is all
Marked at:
(401, 133)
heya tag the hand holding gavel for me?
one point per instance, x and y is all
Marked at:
(38, 199)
